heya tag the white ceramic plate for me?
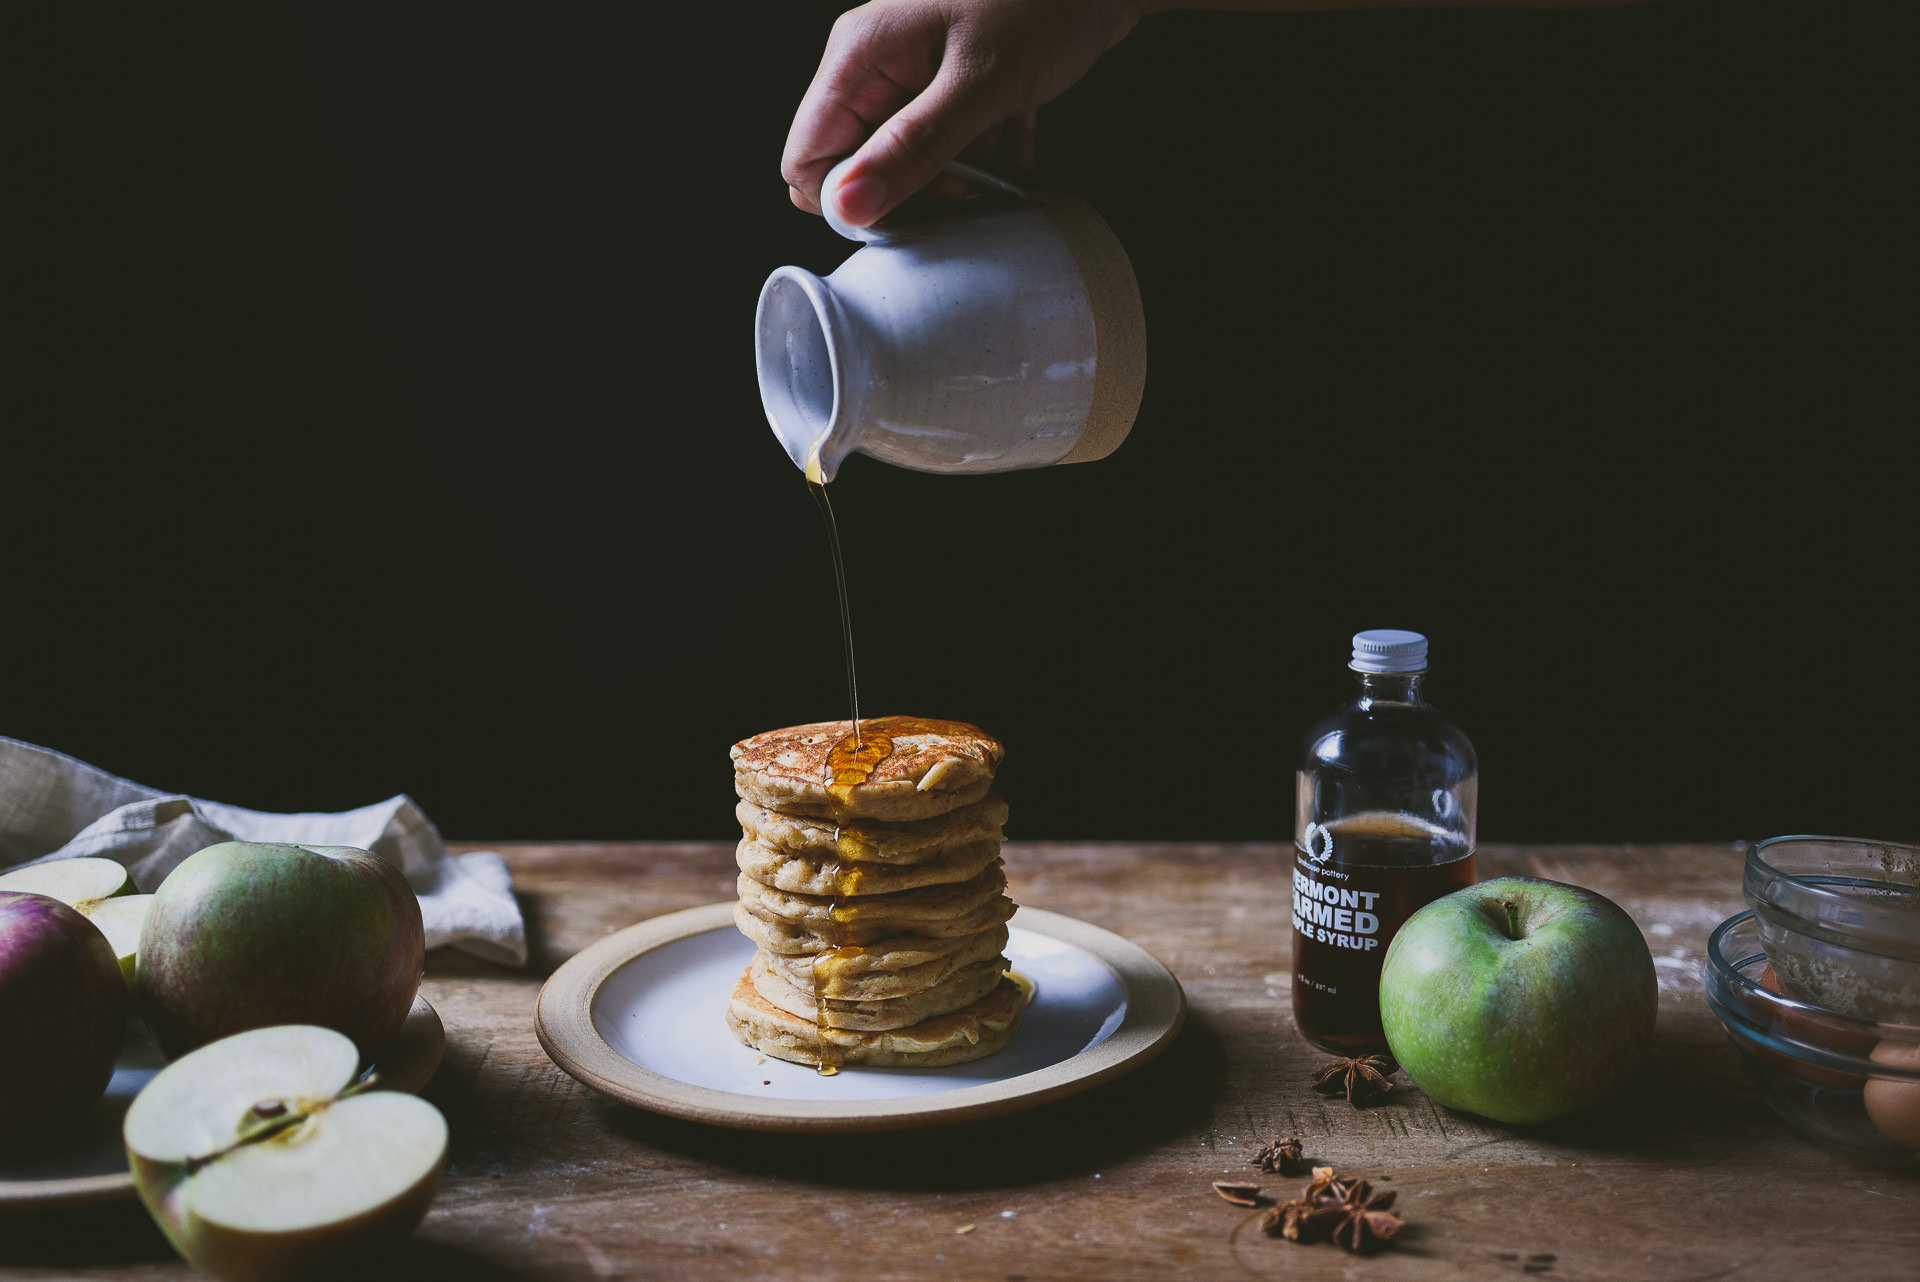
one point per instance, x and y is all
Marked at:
(639, 1016)
(93, 1166)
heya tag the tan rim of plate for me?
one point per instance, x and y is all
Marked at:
(407, 1063)
(563, 1019)
(54, 1195)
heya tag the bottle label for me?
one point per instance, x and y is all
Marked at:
(1328, 913)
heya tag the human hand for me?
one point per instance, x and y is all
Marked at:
(906, 86)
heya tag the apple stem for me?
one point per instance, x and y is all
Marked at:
(1513, 918)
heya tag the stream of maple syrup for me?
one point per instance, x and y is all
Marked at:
(817, 484)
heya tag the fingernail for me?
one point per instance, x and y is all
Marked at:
(861, 199)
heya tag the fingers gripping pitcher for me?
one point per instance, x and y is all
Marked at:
(1383, 824)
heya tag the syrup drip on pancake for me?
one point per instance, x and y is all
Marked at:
(831, 972)
(830, 967)
(1025, 984)
(852, 762)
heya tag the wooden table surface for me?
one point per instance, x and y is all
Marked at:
(1687, 1175)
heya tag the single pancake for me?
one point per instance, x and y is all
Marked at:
(900, 768)
(810, 875)
(939, 911)
(883, 970)
(887, 952)
(870, 840)
(966, 1034)
(962, 988)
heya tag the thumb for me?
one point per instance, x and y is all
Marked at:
(916, 142)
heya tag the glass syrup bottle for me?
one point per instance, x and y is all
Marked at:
(1383, 824)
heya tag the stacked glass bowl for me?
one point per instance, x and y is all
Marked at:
(1819, 987)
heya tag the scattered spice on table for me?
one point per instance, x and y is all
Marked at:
(1282, 1157)
(1347, 1211)
(1363, 1078)
(1238, 1193)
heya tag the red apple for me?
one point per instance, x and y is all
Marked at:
(63, 1006)
(250, 934)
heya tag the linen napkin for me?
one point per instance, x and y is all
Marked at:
(53, 806)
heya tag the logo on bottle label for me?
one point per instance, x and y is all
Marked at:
(1319, 842)
(1335, 915)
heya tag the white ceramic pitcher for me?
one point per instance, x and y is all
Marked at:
(1006, 333)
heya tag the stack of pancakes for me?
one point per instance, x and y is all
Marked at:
(870, 879)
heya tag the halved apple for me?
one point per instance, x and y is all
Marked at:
(72, 881)
(120, 919)
(261, 1160)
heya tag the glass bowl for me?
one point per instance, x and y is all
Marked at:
(1848, 1082)
(1840, 919)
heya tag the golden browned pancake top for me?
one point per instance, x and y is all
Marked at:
(918, 745)
(900, 768)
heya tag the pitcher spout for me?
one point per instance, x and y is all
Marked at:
(800, 343)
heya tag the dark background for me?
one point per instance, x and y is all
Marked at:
(383, 419)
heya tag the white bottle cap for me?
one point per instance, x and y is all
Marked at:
(1389, 650)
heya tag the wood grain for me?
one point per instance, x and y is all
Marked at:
(1685, 1176)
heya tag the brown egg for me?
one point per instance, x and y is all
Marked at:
(1805, 1029)
(1895, 1106)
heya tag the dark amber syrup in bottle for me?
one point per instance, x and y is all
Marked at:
(1365, 875)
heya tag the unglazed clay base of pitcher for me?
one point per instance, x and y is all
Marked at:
(1120, 325)
(999, 335)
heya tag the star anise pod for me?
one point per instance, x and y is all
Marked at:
(1305, 1219)
(1238, 1193)
(1367, 1223)
(1346, 1210)
(1323, 1182)
(1282, 1157)
(1312, 1215)
(1359, 1079)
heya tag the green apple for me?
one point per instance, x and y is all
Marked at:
(1519, 999)
(260, 1159)
(63, 1007)
(250, 934)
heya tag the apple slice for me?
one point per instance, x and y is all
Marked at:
(74, 882)
(120, 919)
(260, 1158)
